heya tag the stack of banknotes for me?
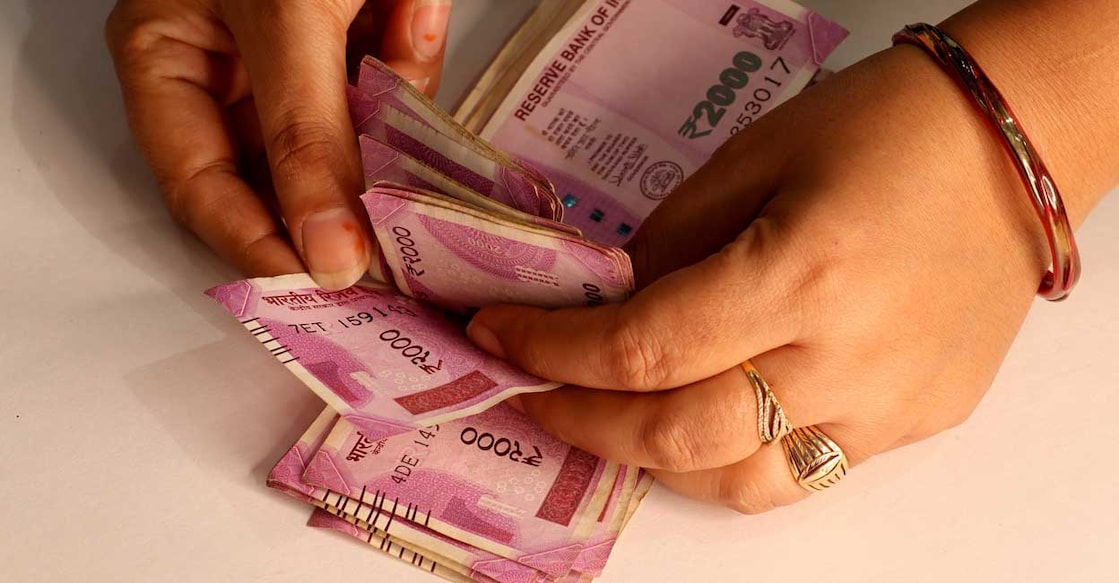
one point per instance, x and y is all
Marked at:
(596, 113)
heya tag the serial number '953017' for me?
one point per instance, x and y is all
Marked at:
(709, 113)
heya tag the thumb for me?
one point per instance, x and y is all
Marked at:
(686, 327)
(295, 54)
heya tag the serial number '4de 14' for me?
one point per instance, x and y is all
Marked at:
(709, 113)
(411, 457)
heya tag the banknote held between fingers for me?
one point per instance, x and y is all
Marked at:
(188, 68)
(675, 332)
(295, 55)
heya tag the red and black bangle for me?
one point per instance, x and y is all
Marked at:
(958, 63)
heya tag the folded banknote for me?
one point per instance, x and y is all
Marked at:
(385, 362)
(489, 498)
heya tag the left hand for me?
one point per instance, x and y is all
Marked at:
(875, 272)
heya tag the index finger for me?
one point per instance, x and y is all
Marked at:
(295, 54)
(164, 87)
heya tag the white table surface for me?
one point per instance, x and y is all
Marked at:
(137, 422)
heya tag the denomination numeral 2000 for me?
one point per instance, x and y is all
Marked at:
(409, 255)
(593, 295)
(417, 354)
(502, 447)
(712, 110)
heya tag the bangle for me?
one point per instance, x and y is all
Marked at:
(958, 63)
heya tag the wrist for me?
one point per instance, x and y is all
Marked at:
(976, 178)
(1062, 86)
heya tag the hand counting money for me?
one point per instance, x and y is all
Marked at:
(613, 101)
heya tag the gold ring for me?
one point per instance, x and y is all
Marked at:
(772, 423)
(816, 461)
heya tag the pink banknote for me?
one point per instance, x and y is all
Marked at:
(460, 259)
(377, 79)
(322, 518)
(383, 163)
(385, 362)
(389, 109)
(287, 477)
(634, 95)
(494, 481)
(592, 560)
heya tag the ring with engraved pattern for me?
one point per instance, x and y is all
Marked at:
(772, 423)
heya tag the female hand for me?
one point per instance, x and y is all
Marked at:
(211, 87)
(868, 246)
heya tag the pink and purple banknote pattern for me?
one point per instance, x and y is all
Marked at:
(483, 498)
(385, 362)
(633, 96)
(416, 454)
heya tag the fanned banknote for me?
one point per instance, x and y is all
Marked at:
(384, 163)
(397, 517)
(613, 101)
(460, 258)
(387, 363)
(493, 481)
(389, 109)
(391, 531)
(434, 564)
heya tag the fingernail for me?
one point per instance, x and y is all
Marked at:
(334, 248)
(429, 27)
(484, 338)
(421, 84)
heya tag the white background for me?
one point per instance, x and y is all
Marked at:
(137, 421)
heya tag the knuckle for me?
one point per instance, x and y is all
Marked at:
(532, 356)
(289, 13)
(302, 143)
(636, 354)
(180, 195)
(943, 408)
(958, 417)
(131, 39)
(808, 258)
(746, 496)
(670, 445)
(176, 203)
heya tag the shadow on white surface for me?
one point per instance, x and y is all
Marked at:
(232, 413)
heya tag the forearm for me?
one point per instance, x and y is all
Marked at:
(1057, 64)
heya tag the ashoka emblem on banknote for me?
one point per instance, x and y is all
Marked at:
(661, 179)
(773, 33)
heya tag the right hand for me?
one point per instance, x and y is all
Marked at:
(239, 107)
